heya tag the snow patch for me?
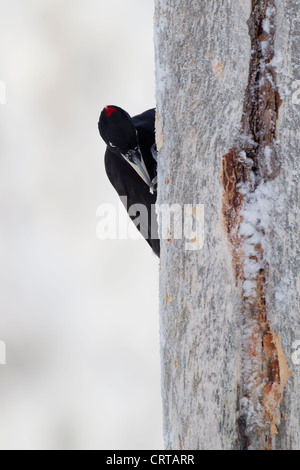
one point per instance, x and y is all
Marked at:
(255, 221)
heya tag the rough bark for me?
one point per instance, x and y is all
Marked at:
(228, 137)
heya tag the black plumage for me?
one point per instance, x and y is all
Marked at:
(131, 165)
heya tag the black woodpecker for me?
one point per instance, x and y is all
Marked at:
(130, 163)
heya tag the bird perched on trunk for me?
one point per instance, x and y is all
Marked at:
(130, 163)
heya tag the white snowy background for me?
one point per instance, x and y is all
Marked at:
(79, 316)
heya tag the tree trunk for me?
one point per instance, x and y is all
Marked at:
(228, 137)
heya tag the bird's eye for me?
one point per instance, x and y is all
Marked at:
(112, 145)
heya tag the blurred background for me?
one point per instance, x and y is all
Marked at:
(79, 316)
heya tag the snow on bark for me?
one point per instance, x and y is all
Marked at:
(221, 116)
(253, 164)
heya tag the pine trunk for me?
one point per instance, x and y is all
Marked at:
(228, 120)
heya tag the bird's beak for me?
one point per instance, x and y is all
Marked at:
(137, 162)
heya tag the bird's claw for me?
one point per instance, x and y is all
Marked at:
(154, 152)
(153, 186)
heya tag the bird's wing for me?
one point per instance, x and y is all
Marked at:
(145, 125)
(128, 183)
(146, 120)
